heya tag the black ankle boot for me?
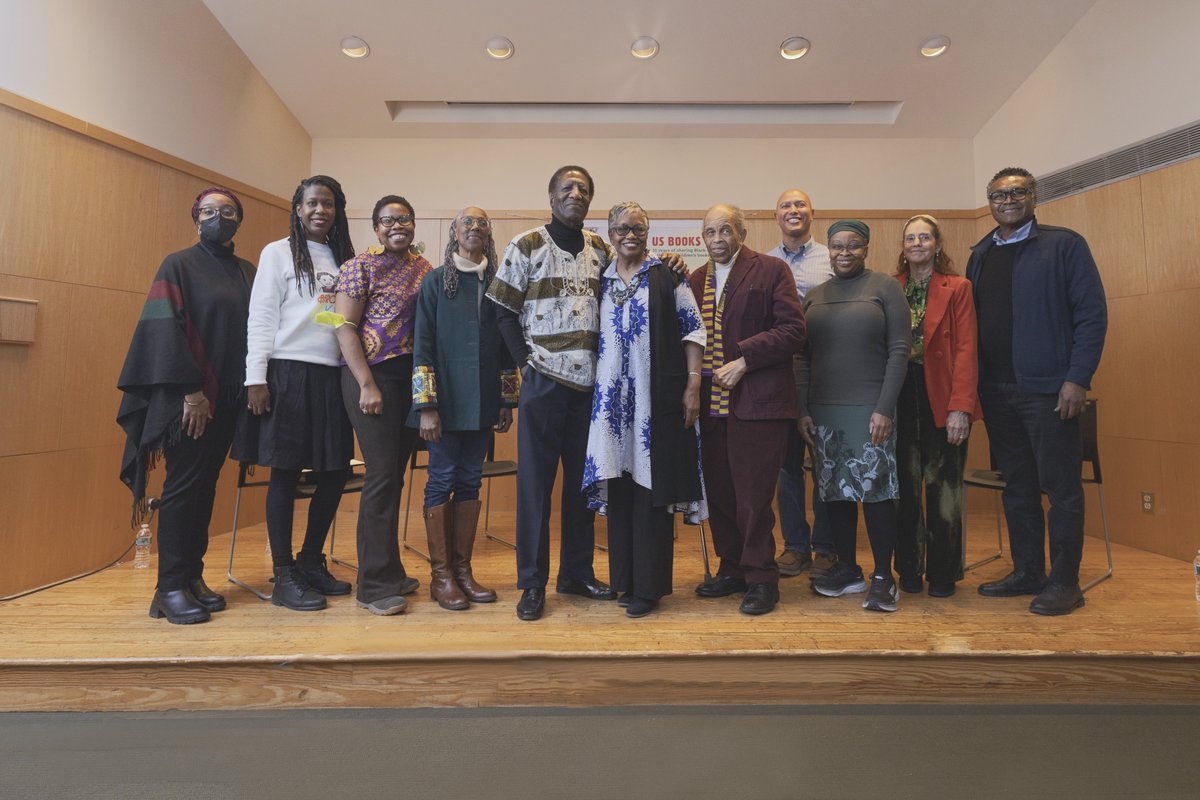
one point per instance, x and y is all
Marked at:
(178, 606)
(292, 590)
(316, 572)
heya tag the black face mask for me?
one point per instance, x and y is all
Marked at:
(218, 230)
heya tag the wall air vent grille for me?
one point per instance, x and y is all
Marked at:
(1146, 156)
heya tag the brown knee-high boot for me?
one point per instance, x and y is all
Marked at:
(442, 587)
(466, 520)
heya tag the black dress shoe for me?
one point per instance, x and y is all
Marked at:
(1057, 600)
(532, 604)
(178, 606)
(941, 589)
(910, 584)
(592, 589)
(1014, 584)
(722, 586)
(760, 598)
(206, 596)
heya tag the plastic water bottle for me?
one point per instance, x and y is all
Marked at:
(141, 544)
(1196, 569)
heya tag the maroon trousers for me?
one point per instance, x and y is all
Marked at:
(741, 460)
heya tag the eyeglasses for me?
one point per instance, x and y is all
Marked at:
(853, 247)
(208, 212)
(475, 222)
(624, 230)
(1017, 193)
(387, 222)
(923, 238)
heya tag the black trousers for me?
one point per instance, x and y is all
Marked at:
(387, 443)
(552, 426)
(930, 540)
(1037, 452)
(641, 540)
(189, 490)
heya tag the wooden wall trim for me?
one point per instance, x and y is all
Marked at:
(85, 128)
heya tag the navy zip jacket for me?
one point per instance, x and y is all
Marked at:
(1060, 314)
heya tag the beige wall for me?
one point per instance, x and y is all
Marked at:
(1127, 71)
(161, 72)
(658, 173)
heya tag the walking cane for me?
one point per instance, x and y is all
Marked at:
(708, 577)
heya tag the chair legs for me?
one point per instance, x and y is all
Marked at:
(999, 536)
(1107, 544)
(487, 514)
(237, 504)
(332, 557)
(407, 509)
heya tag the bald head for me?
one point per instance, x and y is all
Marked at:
(793, 213)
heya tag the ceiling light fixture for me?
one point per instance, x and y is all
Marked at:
(795, 47)
(354, 47)
(644, 47)
(934, 46)
(500, 47)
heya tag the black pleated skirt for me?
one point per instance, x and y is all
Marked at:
(307, 426)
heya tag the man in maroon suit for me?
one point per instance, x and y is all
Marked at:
(754, 323)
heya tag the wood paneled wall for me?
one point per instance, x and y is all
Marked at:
(85, 219)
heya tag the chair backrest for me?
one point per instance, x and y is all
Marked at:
(1090, 439)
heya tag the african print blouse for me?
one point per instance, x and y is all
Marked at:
(389, 285)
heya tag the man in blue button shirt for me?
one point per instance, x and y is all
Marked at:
(804, 547)
(1042, 320)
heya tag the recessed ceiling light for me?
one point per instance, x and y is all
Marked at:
(644, 47)
(500, 47)
(794, 48)
(355, 47)
(934, 46)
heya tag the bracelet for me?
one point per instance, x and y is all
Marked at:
(697, 374)
(201, 401)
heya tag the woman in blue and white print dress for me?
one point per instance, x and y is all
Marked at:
(643, 449)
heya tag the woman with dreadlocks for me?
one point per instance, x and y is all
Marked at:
(464, 386)
(376, 297)
(293, 388)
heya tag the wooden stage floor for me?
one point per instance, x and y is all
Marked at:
(90, 645)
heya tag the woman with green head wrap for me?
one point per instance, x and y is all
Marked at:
(848, 378)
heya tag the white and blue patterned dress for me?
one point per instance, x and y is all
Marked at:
(619, 436)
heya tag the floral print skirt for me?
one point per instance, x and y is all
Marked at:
(846, 466)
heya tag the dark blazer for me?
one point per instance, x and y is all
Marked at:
(763, 323)
(951, 352)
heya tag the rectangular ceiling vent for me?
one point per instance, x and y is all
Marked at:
(1137, 159)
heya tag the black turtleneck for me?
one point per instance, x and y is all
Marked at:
(567, 238)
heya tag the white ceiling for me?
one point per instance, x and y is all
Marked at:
(429, 53)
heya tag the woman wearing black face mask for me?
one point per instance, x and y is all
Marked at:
(182, 381)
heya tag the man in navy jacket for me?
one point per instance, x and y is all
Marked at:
(1042, 319)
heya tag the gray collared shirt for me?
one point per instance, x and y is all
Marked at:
(1019, 235)
(810, 264)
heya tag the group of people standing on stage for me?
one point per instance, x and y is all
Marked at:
(657, 390)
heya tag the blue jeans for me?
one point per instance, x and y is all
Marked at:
(797, 535)
(456, 466)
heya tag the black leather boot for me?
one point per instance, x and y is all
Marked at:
(292, 590)
(178, 606)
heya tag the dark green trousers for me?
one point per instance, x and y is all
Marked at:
(930, 540)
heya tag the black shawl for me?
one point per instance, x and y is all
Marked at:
(191, 336)
(674, 453)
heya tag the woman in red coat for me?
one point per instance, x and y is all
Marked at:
(935, 410)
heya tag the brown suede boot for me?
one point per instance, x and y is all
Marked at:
(466, 520)
(442, 587)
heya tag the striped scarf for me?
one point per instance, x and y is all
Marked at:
(714, 354)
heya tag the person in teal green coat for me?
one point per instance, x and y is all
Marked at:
(464, 387)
